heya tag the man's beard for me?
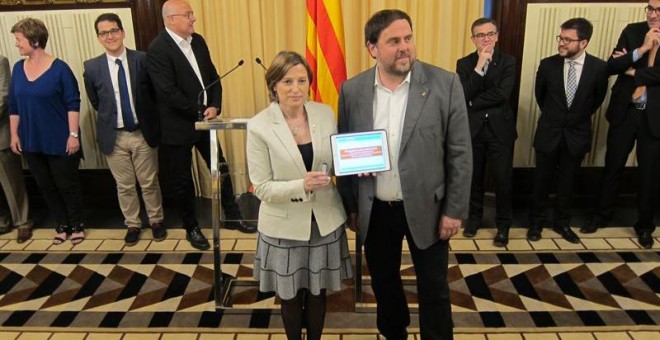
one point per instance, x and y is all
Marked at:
(397, 71)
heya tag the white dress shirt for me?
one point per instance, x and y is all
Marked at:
(186, 48)
(389, 113)
(114, 77)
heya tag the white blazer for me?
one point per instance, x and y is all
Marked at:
(277, 170)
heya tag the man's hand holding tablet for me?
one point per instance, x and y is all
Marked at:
(360, 153)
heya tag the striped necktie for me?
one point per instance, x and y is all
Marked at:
(571, 83)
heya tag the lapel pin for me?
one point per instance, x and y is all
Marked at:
(424, 94)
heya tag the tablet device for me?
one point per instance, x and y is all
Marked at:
(360, 152)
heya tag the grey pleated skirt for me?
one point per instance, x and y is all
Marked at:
(286, 266)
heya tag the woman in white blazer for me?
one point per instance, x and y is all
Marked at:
(302, 249)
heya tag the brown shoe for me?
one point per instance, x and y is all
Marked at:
(24, 234)
(158, 232)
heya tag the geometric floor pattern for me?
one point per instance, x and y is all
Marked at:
(607, 288)
(109, 290)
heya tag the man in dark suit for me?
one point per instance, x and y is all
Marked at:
(12, 187)
(180, 67)
(425, 195)
(570, 86)
(488, 77)
(127, 128)
(631, 120)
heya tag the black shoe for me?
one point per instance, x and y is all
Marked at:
(645, 239)
(240, 226)
(5, 229)
(158, 232)
(567, 234)
(470, 229)
(197, 239)
(534, 233)
(132, 236)
(502, 237)
(591, 227)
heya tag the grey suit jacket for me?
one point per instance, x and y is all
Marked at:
(101, 94)
(277, 171)
(435, 156)
(4, 93)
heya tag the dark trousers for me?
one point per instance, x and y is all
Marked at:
(620, 142)
(564, 165)
(648, 167)
(59, 182)
(180, 171)
(383, 253)
(487, 148)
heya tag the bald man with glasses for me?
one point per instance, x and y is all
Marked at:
(180, 65)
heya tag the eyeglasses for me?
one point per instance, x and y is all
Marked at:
(650, 9)
(114, 31)
(188, 15)
(483, 36)
(565, 40)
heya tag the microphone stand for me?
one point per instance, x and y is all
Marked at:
(260, 63)
(201, 107)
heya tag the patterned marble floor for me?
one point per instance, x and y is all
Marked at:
(606, 287)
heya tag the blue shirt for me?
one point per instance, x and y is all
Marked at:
(43, 106)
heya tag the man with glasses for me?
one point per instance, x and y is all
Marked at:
(570, 86)
(633, 116)
(127, 127)
(180, 66)
(488, 76)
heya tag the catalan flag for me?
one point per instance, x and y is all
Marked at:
(325, 49)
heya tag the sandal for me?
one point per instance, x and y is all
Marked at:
(77, 234)
(61, 234)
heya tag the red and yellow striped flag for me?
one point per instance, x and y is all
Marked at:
(325, 49)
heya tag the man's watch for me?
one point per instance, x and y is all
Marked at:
(73, 134)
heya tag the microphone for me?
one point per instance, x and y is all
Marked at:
(260, 63)
(200, 112)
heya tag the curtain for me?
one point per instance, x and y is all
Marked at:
(247, 29)
(244, 30)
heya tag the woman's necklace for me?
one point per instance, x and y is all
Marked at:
(295, 128)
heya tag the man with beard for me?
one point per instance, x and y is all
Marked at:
(570, 86)
(426, 194)
(488, 76)
(630, 121)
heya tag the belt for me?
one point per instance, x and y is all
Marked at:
(392, 204)
(639, 106)
(124, 129)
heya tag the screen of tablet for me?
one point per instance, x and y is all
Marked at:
(360, 152)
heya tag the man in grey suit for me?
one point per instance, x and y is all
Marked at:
(426, 194)
(13, 193)
(118, 86)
